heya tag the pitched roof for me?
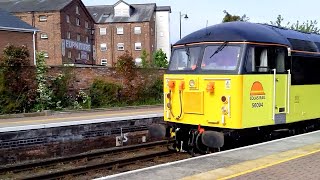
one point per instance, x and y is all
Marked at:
(13, 23)
(163, 8)
(33, 5)
(105, 13)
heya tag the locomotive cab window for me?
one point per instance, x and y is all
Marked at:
(185, 59)
(264, 59)
(222, 57)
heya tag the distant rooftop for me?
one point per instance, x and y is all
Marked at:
(33, 5)
(163, 8)
(13, 23)
(105, 13)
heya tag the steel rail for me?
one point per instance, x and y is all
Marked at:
(105, 165)
(50, 162)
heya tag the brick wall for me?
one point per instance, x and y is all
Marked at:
(56, 27)
(74, 29)
(84, 76)
(51, 27)
(129, 38)
(17, 39)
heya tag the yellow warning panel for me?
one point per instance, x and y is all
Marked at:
(193, 102)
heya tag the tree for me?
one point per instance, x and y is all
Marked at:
(16, 80)
(125, 66)
(144, 57)
(308, 26)
(229, 18)
(44, 93)
(160, 59)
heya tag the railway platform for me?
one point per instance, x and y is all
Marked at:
(296, 157)
(79, 118)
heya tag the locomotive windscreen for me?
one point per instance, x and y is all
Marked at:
(219, 58)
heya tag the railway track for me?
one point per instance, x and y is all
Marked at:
(106, 159)
(109, 161)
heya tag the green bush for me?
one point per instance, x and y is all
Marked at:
(151, 94)
(104, 93)
(62, 95)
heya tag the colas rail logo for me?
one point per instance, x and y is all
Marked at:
(257, 94)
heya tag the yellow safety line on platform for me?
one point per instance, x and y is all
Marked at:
(257, 164)
(79, 117)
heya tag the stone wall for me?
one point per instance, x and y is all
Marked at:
(35, 144)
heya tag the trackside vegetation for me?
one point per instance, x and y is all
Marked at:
(25, 88)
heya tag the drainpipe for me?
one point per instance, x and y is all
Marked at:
(34, 48)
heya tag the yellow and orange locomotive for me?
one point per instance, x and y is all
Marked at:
(240, 78)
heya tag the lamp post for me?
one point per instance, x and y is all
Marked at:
(185, 17)
(92, 31)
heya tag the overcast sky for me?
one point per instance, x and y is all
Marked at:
(201, 11)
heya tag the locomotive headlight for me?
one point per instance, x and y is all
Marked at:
(224, 99)
(192, 83)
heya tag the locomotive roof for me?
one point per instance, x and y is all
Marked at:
(252, 32)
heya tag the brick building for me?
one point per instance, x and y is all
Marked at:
(16, 32)
(124, 26)
(65, 25)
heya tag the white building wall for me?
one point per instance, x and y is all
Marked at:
(122, 10)
(163, 32)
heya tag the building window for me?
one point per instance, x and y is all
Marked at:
(79, 55)
(87, 39)
(120, 46)
(86, 24)
(42, 18)
(119, 30)
(137, 30)
(77, 10)
(103, 31)
(69, 54)
(77, 21)
(78, 37)
(103, 47)
(44, 36)
(45, 54)
(88, 57)
(137, 46)
(68, 18)
(104, 62)
(68, 35)
(138, 61)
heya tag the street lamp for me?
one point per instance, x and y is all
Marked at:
(185, 17)
(92, 31)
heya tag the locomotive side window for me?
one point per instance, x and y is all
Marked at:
(184, 59)
(264, 59)
(217, 58)
(305, 70)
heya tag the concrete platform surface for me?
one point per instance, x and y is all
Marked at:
(76, 118)
(242, 163)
